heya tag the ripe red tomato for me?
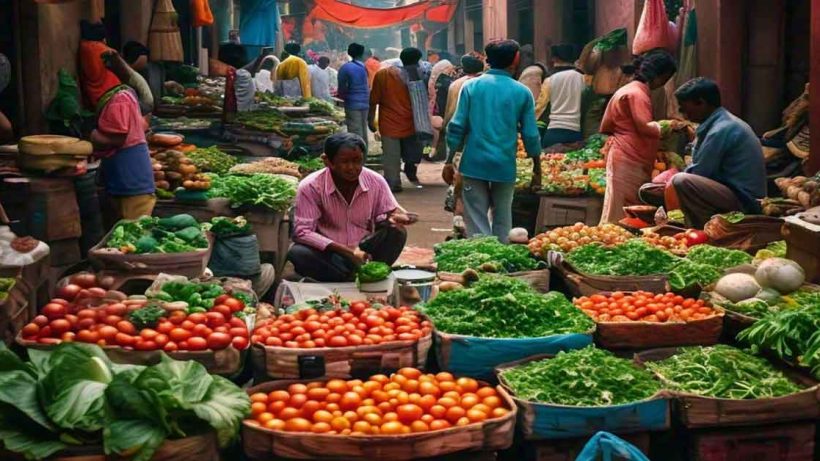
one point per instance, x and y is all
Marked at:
(235, 304)
(237, 322)
(197, 344)
(240, 342)
(234, 332)
(171, 347)
(40, 321)
(125, 340)
(179, 334)
(68, 292)
(215, 319)
(202, 331)
(217, 341)
(54, 311)
(223, 309)
(221, 299)
(337, 341)
(116, 309)
(142, 345)
(31, 329)
(197, 318)
(108, 333)
(358, 308)
(60, 326)
(161, 340)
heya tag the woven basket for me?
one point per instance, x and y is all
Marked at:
(695, 411)
(490, 435)
(164, 39)
(270, 362)
(588, 285)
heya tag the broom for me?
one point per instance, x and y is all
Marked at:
(164, 39)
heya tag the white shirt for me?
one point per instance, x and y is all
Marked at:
(334, 79)
(319, 82)
(566, 88)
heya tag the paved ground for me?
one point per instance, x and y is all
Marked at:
(434, 224)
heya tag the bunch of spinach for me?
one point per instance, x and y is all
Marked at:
(792, 335)
(722, 371)
(585, 377)
(719, 258)
(483, 253)
(502, 307)
(632, 258)
(74, 395)
(155, 235)
(688, 273)
(264, 190)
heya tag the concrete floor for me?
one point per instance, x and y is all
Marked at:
(434, 224)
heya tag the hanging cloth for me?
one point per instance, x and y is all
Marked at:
(688, 66)
(259, 22)
(201, 12)
(345, 14)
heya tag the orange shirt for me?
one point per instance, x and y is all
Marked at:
(395, 111)
(372, 65)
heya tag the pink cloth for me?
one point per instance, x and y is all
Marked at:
(122, 116)
(323, 216)
(626, 118)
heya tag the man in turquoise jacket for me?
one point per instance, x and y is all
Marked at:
(492, 110)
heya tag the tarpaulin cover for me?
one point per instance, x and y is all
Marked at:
(345, 14)
(478, 357)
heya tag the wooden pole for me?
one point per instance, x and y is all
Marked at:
(813, 163)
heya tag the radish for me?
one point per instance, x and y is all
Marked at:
(737, 287)
(783, 275)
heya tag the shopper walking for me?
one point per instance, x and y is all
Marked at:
(492, 110)
(390, 97)
(355, 92)
(562, 93)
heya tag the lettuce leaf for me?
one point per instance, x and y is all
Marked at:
(224, 407)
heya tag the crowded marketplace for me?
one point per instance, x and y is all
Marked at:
(392, 230)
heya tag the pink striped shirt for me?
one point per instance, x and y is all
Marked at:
(323, 216)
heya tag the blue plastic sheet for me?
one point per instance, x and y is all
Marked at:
(604, 446)
(478, 357)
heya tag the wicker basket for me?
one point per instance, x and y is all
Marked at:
(588, 285)
(539, 421)
(270, 362)
(695, 411)
(263, 444)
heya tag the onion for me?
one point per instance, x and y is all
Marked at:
(783, 275)
(737, 287)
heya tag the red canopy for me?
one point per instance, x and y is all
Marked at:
(348, 15)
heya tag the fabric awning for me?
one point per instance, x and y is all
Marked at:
(345, 14)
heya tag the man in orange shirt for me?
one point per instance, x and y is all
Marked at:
(392, 99)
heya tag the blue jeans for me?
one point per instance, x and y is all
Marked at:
(480, 197)
(561, 136)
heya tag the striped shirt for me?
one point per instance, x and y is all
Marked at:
(323, 216)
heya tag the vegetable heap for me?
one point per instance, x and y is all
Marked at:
(704, 264)
(566, 239)
(759, 308)
(177, 234)
(720, 258)
(222, 226)
(775, 283)
(263, 190)
(482, 253)
(369, 410)
(791, 335)
(373, 271)
(503, 307)
(74, 396)
(189, 296)
(632, 258)
(645, 307)
(212, 160)
(723, 372)
(308, 165)
(269, 165)
(586, 377)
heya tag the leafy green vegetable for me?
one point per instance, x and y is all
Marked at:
(154, 235)
(6, 284)
(503, 307)
(199, 296)
(723, 372)
(309, 164)
(634, 257)
(610, 41)
(147, 317)
(373, 271)
(264, 190)
(734, 217)
(74, 395)
(688, 273)
(223, 226)
(177, 222)
(719, 258)
(484, 253)
(585, 377)
(791, 335)
(212, 160)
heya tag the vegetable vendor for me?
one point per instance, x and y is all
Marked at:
(345, 215)
(728, 171)
(295, 68)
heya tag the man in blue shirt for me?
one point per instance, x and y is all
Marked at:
(492, 110)
(353, 90)
(728, 171)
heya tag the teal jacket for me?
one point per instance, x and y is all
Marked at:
(492, 110)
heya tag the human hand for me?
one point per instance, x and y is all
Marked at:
(359, 257)
(402, 218)
(448, 174)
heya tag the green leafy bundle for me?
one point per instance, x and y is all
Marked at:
(263, 190)
(483, 253)
(177, 234)
(308, 165)
(688, 273)
(373, 271)
(199, 296)
(791, 335)
(632, 258)
(74, 395)
(719, 258)
(222, 226)
(586, 377)
(212, 160)
(503, 307)
(723, 372)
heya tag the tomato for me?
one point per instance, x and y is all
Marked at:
(170, 346)
(86, 314)
(337, 341)
(409, 413)
(221, 299)
(48, 340)
(161, 340)
(222, 309)
(54, 311)
(116, 309)
(60, 326)
(87, 336)
(202, 330)
(273, 341)
(239, 342)
(148, 334)
(197, 344)
(179, 334)
(238, 331)
(165, 327)
(215, 319)
(188, 325)
(696, 237)
(68, 292)
(124, 340)
(235, 304)
(31, 329)
(45, 332)
(142, 345)
(177, 317)
(217, 341)
(68, 336)
(108, 333)
(197, 318)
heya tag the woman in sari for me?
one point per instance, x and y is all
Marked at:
(634, 136)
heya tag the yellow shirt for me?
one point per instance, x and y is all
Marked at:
(295, 67)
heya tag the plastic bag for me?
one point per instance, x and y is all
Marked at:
(201, 12)
(235, 256)
(245, 88)
(655, 30)
(607, 447)
(263, 81)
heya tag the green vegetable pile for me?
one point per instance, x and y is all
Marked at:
(632, 258)
(487, 254)
(791, 335)
(586, 377)
(177, 234)
(704, 265)
(263, 190)
(611, 41)
(308, 165)
(263, 120)
(212, 160)
(373, 271)
(222, 226)
(199, 296)
(147, 317)
(6, 284)
(590, 151)
(723, 372)
(74, 395)
(758, 308)
(719, 258)
(318, 106)
(497, 306)
(772, 250)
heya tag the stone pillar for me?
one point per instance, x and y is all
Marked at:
(549, 27)
(813, 163)
(495, 19)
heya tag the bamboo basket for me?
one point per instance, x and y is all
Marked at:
(538, 279)
(274, 362)
(540, 421)
(695, 411)
(587, 285)
(490, 435)
(164, 39)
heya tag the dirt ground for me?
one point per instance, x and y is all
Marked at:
(434, 224)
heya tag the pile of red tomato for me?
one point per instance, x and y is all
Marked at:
(408, 401)
(361, 324)
(103, 317)
(643, 306)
